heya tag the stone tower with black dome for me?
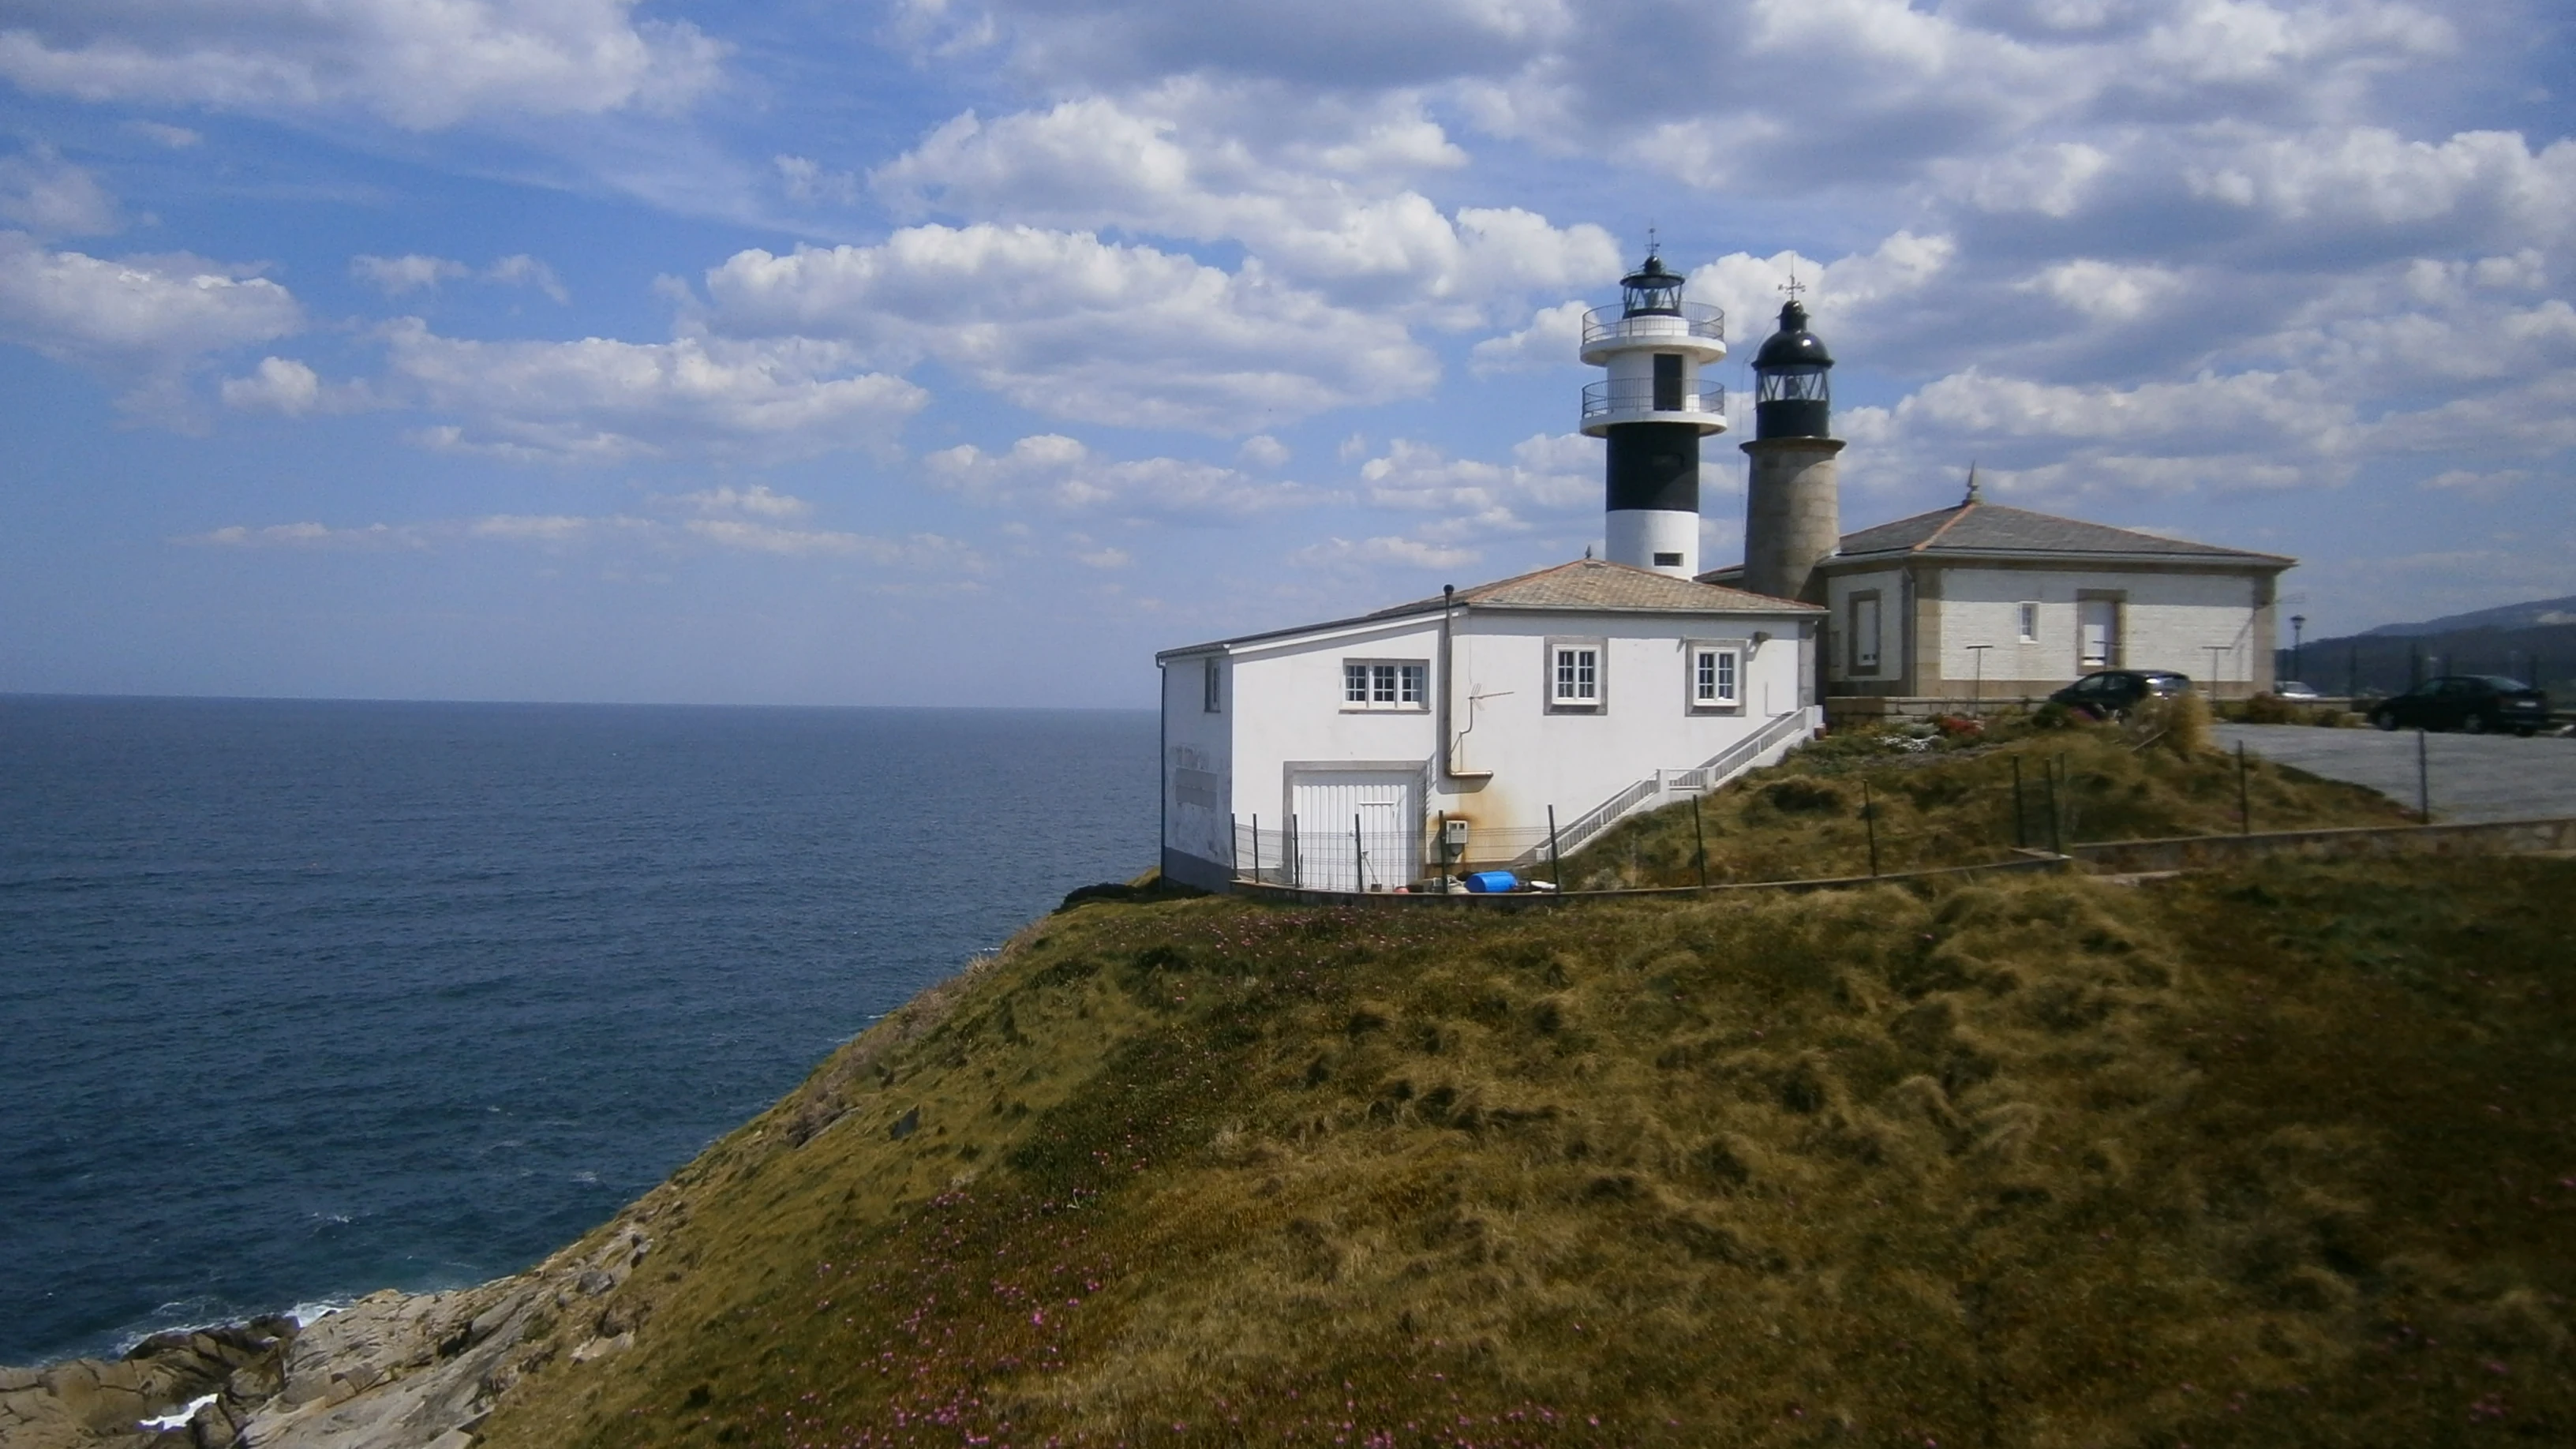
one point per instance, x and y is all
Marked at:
(1792, 512)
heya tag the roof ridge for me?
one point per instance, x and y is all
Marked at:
(1956, 513)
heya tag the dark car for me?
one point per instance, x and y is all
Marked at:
(2112, 693)
(2473, 702)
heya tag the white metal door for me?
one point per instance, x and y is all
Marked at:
(1357, 829)
(2099, 632)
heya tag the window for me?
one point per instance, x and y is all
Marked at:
(1716, 677)
(1668, 560)
(1575, 676)
(1864, 632)
(1386, 684)
(2026, 621)
(1212, 688)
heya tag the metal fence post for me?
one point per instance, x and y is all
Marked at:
(2056, 817)
(1699, 833)
(2244, 798)
(1296, 857)
(1555, 861)
(1256, 850)
(1359, 857)
(2423, 780)
(1869, 822)
(1234, 843)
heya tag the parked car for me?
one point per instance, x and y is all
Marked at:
(2112, 693)
(2293, 689)
(2476, 703)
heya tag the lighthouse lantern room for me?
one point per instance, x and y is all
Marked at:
(1652, 410)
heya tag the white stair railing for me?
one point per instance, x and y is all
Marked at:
(1728, 763)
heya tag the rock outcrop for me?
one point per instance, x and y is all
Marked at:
(391, 1371)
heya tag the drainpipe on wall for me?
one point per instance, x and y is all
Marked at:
(1448, 606)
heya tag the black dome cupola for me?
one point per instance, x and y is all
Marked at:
(1651, 291)
(1792, 396)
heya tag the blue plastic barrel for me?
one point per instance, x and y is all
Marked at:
(1492, 882)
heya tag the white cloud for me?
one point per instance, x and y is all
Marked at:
(1263, 451)
(52, 198)
(2106, 291)
(1326, 210)
(1552, 339)
(307, 535)
(1551, 478)
(1055, 471)
(285, 386)
(523, 270)
(805, 180)
(146, 320)
(757, 500)
(1067, 325)
(411, 272)
(419, 66)
(599, 399)
(176, 138)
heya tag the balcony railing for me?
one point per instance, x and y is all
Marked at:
(1694, 320)
(1637, 395)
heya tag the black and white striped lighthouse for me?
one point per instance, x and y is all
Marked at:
(1653, 410)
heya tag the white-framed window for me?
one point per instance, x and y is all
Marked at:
(1386, 684)
(2026, 620)
(1212, 687)
(1716, 675)
(1576, 679)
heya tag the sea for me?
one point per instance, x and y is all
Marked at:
(303, 999)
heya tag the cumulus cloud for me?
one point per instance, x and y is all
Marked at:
(1551, 478)
(1070, 326)
(1324, 208)
(601, 399)
(1052, 470)
(285, 386)
(146, 321)
(421, 67)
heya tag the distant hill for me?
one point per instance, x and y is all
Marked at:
(2534, 642)
(2538, 613)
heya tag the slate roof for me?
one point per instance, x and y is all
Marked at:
(1588, 584)
(1992, 528)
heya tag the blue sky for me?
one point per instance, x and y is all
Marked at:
(931, 352)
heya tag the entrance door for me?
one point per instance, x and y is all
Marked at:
(2097, 633)
(1357, 829)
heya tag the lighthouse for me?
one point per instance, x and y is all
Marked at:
(1652, 410)
(1792, 513)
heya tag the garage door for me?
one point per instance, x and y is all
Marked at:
(1357, 829)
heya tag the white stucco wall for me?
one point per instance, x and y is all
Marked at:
(2171, 619)
(1198, 767)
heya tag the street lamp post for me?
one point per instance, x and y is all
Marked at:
(2216, 652)
(2298, 627)
(1980, 651)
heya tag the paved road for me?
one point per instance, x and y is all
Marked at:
(2475, 777)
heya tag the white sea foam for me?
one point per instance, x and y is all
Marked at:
(177, 1418)
(308, 1314)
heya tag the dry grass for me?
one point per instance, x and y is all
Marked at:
(1956, 806)
(2270, 1157)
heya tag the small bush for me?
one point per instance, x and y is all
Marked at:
(2180, 724)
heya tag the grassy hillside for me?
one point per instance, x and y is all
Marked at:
(2279, 1156)
(1954, 804)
